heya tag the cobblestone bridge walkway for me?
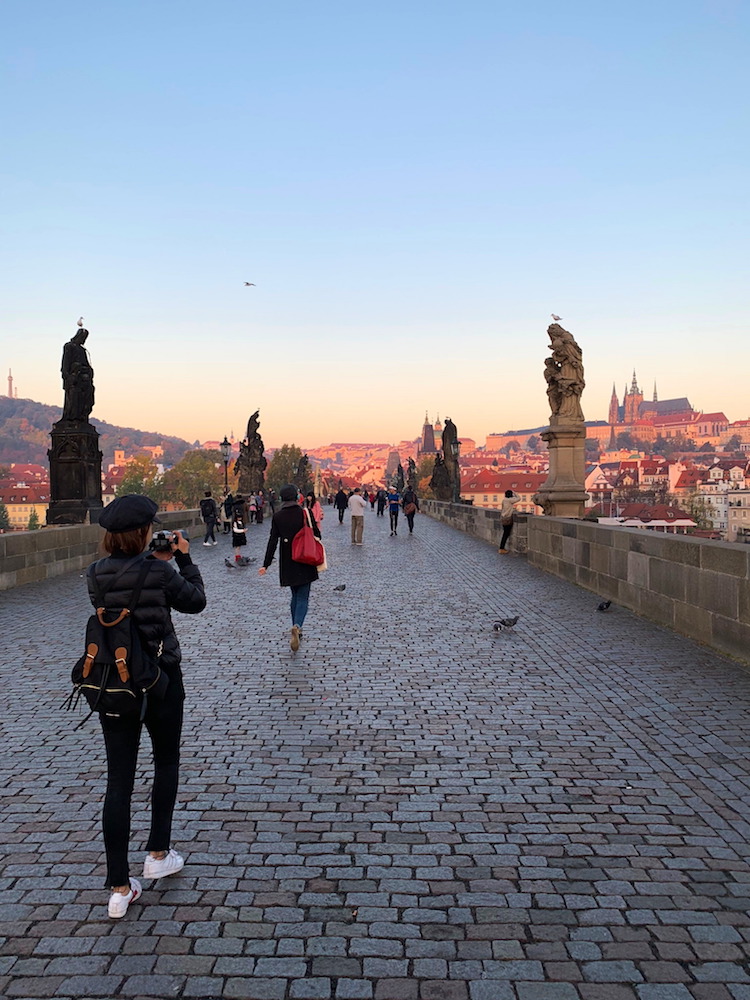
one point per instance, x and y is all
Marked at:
(412, 806)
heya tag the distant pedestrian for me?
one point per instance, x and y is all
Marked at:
(394, 505)
(239, 526)
(286, 522)
(260, 502)
(341, 502)
(381, 496)
(226, 513)
(507, 513)
(357, 506)
(111, 582)
(210, 515)
(273, 501)
(314, 507)
(410, 506)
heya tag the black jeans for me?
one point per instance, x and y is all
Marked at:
(341, 514)
(121, 738)
(410, 519)
(210, 523)
(507, 528)
(394, 518)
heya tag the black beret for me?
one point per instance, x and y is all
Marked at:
(128, 513)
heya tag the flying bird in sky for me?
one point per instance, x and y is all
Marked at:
(248, 284)
(555, 318)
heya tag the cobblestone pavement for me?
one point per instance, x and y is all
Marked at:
(412, 806)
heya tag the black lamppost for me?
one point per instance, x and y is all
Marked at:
(456, 450)
(226, 447)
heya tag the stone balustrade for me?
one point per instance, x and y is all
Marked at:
(30, 556)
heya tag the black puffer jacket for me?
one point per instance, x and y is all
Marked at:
(164, 589)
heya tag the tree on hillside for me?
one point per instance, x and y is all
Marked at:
(533, 444)
(283, 466)
(33, 524)
(196, 472)
(142, 476)
(734, 443)
(4, 517)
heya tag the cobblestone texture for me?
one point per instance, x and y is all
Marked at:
(412, 806)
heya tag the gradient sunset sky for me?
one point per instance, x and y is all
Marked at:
(413, 187)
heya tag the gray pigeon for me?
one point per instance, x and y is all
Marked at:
(229, 563)
(505, 623)
(604, 606)
(341, 586)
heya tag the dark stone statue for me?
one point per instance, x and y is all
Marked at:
(450, 457)
(411, 475)
(563, 372)
(250, 467)
(399, 483)
(440, 483)
(78, 378)
(75, 461)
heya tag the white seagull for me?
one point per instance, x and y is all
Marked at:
(249, 283)
(555, 318)
(80, 320)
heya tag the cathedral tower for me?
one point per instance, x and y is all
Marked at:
(614, 408)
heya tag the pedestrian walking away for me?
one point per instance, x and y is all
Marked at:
(210, 515)
(128, 524)
(507, 511)
(357, 506)
(341, 502)
(382, 498)
(285, 523)
(394, 505)
(410, 506)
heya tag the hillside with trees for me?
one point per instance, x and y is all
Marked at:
(25, 435)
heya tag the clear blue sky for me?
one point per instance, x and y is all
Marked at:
(413, 187)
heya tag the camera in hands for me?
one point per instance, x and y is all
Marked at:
(164, 541)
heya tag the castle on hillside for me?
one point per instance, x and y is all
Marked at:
(634, 407)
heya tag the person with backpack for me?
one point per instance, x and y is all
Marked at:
(127, 522)
(210, 515)
(410, 505)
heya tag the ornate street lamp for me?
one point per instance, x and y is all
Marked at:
(226, 447)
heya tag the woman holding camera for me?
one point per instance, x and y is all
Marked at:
(128, 524)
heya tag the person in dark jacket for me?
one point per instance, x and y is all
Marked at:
(341, 502)
(410, 505)
(285, 524)
(128, 524)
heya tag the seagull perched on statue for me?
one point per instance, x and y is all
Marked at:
(80, 320)
(505, 623)
(555, 318)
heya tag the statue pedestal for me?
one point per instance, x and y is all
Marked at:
(75, 466)
(563, 494)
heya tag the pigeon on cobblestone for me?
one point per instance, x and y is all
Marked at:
(341, 586)
(604, 606)
(505, 623)
(229, 563)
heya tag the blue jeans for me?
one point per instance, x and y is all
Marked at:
(300, 600)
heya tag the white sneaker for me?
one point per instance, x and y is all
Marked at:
(119, 903)
(206, 543)
(160, 867)
(214, 542)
